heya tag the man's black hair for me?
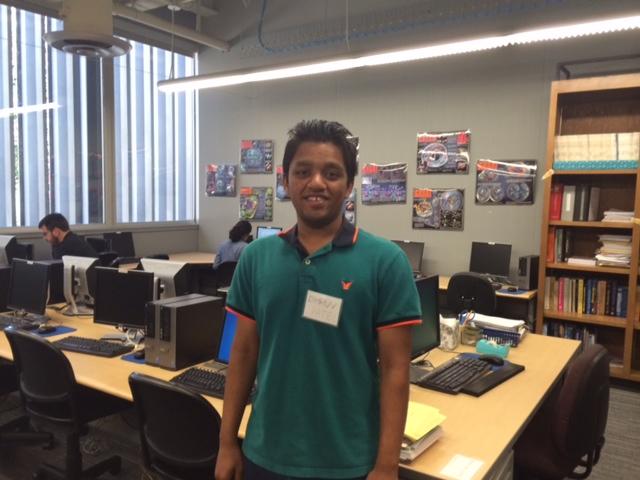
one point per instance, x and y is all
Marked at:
(322, 131)
(239, 230)
(54, 220)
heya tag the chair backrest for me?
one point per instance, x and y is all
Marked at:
(99, 244)
(106, 258)
(178, 428)
(45, 377)
(580, 416)
(470, 291)
(224, 273)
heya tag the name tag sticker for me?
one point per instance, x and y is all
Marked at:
(322, 308)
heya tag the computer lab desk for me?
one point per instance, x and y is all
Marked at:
(521, 306)
(483, 428)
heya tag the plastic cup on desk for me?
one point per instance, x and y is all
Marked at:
(449, 333)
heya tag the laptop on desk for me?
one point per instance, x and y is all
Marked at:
(224, 347)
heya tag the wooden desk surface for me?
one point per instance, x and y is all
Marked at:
(193, 257)
(481, 428)
(443, 281)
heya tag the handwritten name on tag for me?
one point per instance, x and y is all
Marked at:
(322, 308)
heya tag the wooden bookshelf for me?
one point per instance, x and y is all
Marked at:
(600, 105)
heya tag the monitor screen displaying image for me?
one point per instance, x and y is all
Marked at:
(263, 232)
(228, 334)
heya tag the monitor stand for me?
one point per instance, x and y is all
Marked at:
(133, 336)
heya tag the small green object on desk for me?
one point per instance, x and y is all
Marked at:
(487, 347)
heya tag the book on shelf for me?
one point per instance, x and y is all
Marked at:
(617, 216)
(422, 429)
(591, 296)
(581, 210)
(555, 204)
(594, 204)
(568, 202)
(584, 261)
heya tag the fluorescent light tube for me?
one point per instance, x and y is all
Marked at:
(200, 82)
(7, 112)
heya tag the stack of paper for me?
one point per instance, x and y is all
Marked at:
(497, 323)
(615, 250)
(617, 216)
(629, 146)
(421, 430)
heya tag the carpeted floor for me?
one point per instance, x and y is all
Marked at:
(620, 458)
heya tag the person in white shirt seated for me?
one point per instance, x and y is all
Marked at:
(230, 250)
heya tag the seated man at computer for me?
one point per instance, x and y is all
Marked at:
(55, 230)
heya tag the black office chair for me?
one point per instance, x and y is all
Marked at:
(50, 394)
(17, 431)
(470, 291)
(567, 433)
(224, 273)
(99, 244)
(107, 258)
(178, 429)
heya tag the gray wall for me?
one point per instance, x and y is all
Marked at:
(502, 96)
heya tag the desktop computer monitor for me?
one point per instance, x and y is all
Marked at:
(79, 284)
(262, 232)
(490, 258)
(8, 249)
(28, 287)
(426, 336)
(121, 297)
(413, 251)
(171, 277)
(226, 339)
(121, 243)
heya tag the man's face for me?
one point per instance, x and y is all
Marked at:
(317, 183)
(51, 236)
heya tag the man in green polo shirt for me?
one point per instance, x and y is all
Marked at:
(324, 327)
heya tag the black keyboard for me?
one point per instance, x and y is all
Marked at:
(451, 376)
(100, 348)
(17, 322)
(204, 381)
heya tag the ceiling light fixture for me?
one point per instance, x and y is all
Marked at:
(7, 112)
(200, 82)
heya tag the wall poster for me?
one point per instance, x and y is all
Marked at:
(256, 203)
(505, 182)
(221, 180)
(441, 209)
(440, 152)
(384, 183)
(281, 193)
(349, 208)
(256, 156)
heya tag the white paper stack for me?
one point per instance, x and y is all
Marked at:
(421, 430)
(617, 216)
(602, 147)
(629, 146)
(497, 323)
(615, 250)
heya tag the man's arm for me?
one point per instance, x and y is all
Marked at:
(240, 377)
(394, 346)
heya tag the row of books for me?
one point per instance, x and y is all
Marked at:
(597, 147)
(574, 202)
(558, 244)
(586, 296)
(569, 330)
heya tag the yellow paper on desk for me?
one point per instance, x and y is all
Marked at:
(421, 419)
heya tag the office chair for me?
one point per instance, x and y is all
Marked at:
(470, 291)
(107, 258)
(568, 431)
(17, 431)
(178, 429)
(99, 244)
(50, 394)
(224, 273)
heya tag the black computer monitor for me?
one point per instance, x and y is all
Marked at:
(489, 257)
(226, 339)
(121, 243)
(263, 232)
(121, 297)
(413, 251)
(426, 336)
(99, 244)
(29, 287)
(8, 249)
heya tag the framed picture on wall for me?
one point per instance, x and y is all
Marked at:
(438, 209)
(505, 182)
(349, 207)
(443, 152)
(256, 203)
(281, 193)
(256, 156)
(221, 180)
(384, 183)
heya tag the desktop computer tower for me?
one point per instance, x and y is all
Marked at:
(182, 331)
(528, 272)
(5, 276)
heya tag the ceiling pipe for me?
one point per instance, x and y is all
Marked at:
(159, 24)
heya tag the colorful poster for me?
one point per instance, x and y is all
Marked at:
(221, 180)
(384, 183)
(505, 182)
(256, 203)
(256, 156)
(281, 193)
(441, 209)
(349, 208)
(444, 152)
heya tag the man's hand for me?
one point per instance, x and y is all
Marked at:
(229, 463)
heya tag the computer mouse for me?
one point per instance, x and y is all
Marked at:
(512, 289)
(138, 354)
(46, 329)
(492, 359)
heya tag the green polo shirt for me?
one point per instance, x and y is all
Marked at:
(317, 408)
